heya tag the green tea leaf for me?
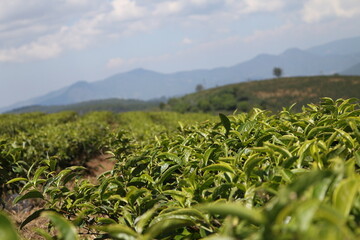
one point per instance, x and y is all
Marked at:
(317, 130)
(167, 173)
(119, 231)
(344, 195)
(106, 221)
(346, 136)
(234, 209)
(172, 157)
(207, 155)
(222, 167)
(305, 212)
(66, 230)
(225, 122)
(306, 180)
(167, 225)
(29, 195)
(279, 149)
(38, 172)
(32, 217)
(251, 162)
(7, 229)
(143, 220)
(16, 180)
(134, 194)
(44, 234)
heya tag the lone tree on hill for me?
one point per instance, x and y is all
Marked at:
(199, 88)
(277, 72)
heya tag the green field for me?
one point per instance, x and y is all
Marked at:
(252, 175)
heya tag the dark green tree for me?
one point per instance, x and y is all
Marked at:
(162, 106)
(277, 72)
(199, 88)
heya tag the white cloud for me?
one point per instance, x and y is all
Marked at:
(262, 6)
(84, 32)
(316, 10)
(76, 24)
(115, 63)
(28, 27)
(253, 6)
(187, 41)
(79, 36)
(126, 9)
(168, 8)
(200, 2)
(187, 8)
(30, 51)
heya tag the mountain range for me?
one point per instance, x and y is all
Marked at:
(341, 56)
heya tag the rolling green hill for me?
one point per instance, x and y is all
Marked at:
(112, 105)
(270, 94)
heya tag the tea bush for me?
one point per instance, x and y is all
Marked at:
(252, 175)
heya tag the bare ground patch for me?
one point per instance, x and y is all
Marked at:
(98, 166)
(308, 92)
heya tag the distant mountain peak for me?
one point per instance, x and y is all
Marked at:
(292, 51)
(263, 56)
(80, 84)
(348, 46)
(140, 70)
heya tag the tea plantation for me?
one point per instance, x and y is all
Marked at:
(255, 175)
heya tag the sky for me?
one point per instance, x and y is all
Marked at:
(49, 44)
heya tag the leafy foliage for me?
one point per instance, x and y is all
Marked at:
(30, 141)
(244, 176)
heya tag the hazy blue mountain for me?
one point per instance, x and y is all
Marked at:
(352, 71)
(348, 46)
(77, 92)
(142, 84)
(330, 58)
(296, 62)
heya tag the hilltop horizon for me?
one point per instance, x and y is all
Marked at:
(144, 84)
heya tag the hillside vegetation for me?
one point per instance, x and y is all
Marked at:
(253, 175)
(268, 94)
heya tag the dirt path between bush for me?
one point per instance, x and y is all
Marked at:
(96, 167)
(99, 165)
